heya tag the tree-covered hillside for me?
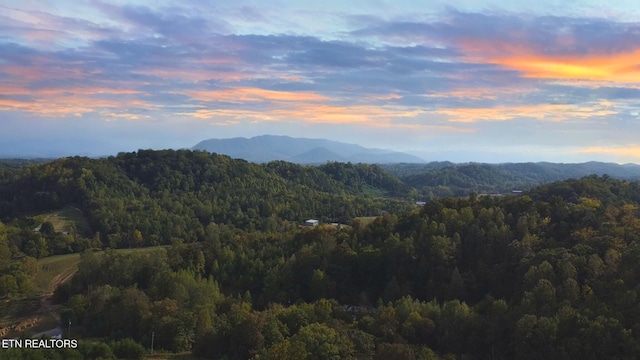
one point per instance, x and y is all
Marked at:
(444, 179)
(549, 275)
(462, 180)
(154, 196)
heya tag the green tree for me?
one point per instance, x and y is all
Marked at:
(128, 349)
(5, 253)
(323, 343)
(47, 229)
(394, 352)
(287, 350)
(8, 285)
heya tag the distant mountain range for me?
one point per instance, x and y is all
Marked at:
(265, 148)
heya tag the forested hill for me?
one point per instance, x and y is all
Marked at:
(549, 275)
(540, 171)
(442, 179)
(167, 194)
(160, 195)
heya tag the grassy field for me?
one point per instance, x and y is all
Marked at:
(54, 270)
(65, 219)
(38, 314)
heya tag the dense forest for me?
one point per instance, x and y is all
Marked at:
(153, 197)
(551, 274)
(444, 179)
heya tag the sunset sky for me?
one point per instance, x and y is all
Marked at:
(490, 81)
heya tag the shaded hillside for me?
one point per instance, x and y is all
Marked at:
(16, 162)
(547, 172)
(465, 179)
(317, 155)
(541, 171)
(443, 179)
(336, 177)
(154, 196)
(405, 169)
(553, 274)
(365, 178)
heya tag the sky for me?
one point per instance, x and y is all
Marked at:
(488, 81)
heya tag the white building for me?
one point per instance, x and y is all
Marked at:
(311, 222)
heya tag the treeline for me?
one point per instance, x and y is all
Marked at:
(151, 197)
(445, 179)
(553, 274)
(17, 274)
(462, 180)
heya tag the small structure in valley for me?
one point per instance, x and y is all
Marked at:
(311, 222)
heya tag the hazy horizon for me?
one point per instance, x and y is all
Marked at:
(453, 157)
(464, 81)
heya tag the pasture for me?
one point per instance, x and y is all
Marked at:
(67, 219)
(365, 220)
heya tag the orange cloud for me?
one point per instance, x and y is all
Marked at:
(232, 113)
(122, 115)
(391, 96)
(378, 117)
(622, 67)
(629, 151)
(316, 113)
(254, 94)
(339, 114)
(545, 112)
(64, 102)
(41, 108)
(617, 68)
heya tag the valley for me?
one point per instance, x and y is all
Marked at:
(205, 256)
